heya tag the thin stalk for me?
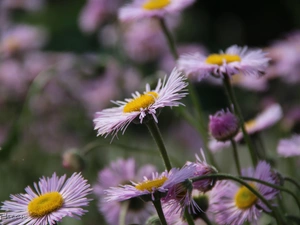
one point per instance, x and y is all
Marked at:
(232, 99)
(123, 212)
(236, 156)
(154, 130)
(169, 37)
(205, 218)
(188, 218)
(277, 215)
(160, 212)
(291, 180)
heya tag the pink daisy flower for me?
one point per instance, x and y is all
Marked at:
(233, 61)
(140, 9)
(166, 93)
(289, 147)
(53, 199)
(121, 172)
(233, 204)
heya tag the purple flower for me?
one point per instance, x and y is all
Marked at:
(233, 61)
(233, 204)
(289, 147)
(53, 199)
(223, 125)
(122, 172)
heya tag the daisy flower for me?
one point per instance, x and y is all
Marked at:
(158, 184)
(271, 115)
(118, 172)
(289, 147)
(166, 93)
(140, 9)
(53, 199)
(233, 204)
(233, 61)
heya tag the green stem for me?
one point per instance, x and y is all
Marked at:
(277, 215)
(160, 212)
(236, 156)
(123, 212)
(169, 38)
(291, 180)
(205, 218)
(232, 99)
(154, 130)
(188, 218)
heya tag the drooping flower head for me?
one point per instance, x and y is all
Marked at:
(166, 93)
(224, 125)
(148, 188)
(118, 172)
(289, 147)
(233, 204)
(53, 199)
(140, 9)
(233, 61)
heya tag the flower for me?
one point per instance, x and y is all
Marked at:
(233, 61)
(53, 199)
(289, 147)
(233, 204)
(140, 9)
(159, 184)
(166, 93)
(271, 115)
(223, 125)
(118, 172)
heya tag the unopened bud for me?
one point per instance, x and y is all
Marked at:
(73, 160)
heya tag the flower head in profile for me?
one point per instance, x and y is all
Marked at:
(166, 93)
(148, 188)
(233, 204)
(118, 172)
(289, 147)
(233, 61)
(140, 9)
(53, 199)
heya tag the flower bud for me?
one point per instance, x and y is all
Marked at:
(223, 125)
(73, 160)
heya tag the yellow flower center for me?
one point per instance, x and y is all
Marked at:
(45, 204)
(150, 184)
(250, 124)
(141, 102)
(219, 59)
(156, 4)
(244, 198)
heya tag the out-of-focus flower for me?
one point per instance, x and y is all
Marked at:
(291, 118)
(285, 58)
(73, 160)
(262, 121)
(53, 199)
(148, 188)
(224, 125)
(95, 12)
(140, 9)
(233, 204)
(233, 61)
(30, 5)
(144, 41)
(123, 172)
(289, 147)
(21, 38)
(166, 93)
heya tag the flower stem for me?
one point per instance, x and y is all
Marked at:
(232, 99)
(236, 156)
(124, 210)
(160, 212)
(188, 218)
(154, 130)
(291, 180)
(277, 215)
(205, 218)
(169, 38)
